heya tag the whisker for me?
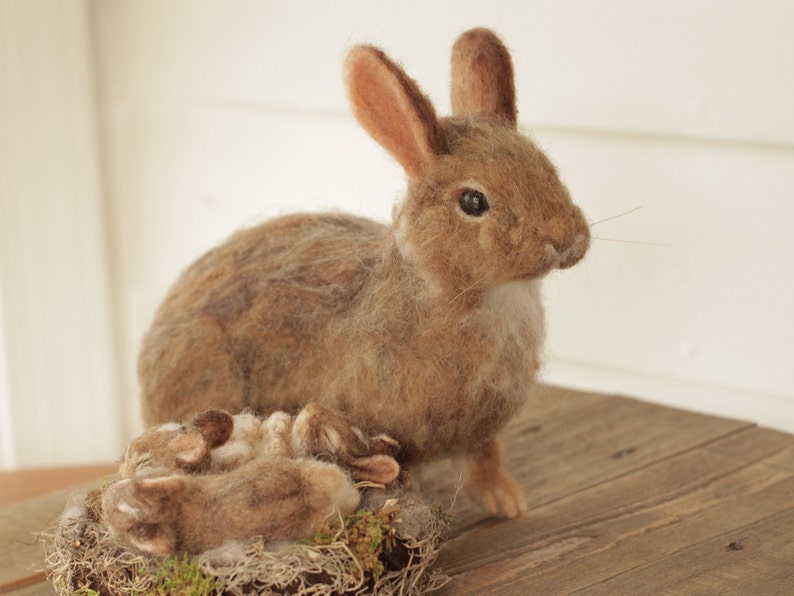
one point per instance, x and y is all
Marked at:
(633, 242)
(595, 223)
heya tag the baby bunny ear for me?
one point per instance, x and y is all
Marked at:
(160, 491)
(215, 426)
(482, 76)
(190, 449)
(382, 469)
(392, 109)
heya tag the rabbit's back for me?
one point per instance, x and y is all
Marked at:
(237, 323)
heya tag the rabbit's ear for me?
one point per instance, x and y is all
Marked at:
(482, 76)
(392, 109)
(376, 468)
(189, 449)
(215, 426)
(161, 491)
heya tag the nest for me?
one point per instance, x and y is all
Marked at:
(387, 547)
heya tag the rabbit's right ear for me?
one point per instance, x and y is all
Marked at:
(392, 109)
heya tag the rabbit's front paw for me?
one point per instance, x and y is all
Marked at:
(501, 495)
(492, 485)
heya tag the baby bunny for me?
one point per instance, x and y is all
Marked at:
(322, 433)
(175, 446)
(429, 330)
(276, 498)
(215, 441)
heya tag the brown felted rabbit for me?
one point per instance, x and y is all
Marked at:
(215, 441)
(428, 330)
(276, 498)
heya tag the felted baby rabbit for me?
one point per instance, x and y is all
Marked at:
(428, 330)
(215, 441)
(276, 497)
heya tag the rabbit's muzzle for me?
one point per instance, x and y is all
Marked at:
(570, 255)
(567, 239)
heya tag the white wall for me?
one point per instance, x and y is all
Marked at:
(215, 114)
(58, 392)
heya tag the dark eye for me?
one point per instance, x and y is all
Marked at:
(474, 203)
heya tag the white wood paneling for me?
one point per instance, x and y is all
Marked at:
(696, 68)
(712, 303)
(7, 428)
(56, 302)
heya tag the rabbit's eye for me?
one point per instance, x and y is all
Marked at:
(474, 203)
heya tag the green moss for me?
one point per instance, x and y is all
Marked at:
(443, 515)
(181, 576)
(367, 534)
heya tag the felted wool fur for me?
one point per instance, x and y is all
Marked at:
(215, 441)
(428, 330)
(218, 478)
(277, 498)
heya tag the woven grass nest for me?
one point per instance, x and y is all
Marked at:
(387, 547)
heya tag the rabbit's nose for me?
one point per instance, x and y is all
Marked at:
(568, 230)
(560, 231)
(574, 253)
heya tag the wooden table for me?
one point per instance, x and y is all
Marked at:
(625, 497)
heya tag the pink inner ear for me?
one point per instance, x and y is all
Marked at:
(189, 448)
(392, 109)
(377, 468)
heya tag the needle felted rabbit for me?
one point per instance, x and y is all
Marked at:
(277, 498)
(428, 330)
(215, 441)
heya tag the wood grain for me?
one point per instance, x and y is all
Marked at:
(625, 497)
(636, 486)
(24, 484)
(21, 553)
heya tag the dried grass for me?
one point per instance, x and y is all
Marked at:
(389, 547)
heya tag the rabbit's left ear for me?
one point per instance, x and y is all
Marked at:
(392, 109)
(482, 77)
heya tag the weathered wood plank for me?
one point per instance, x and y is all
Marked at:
(637, 519)
(21, 554)
(565, 441)
(754, 559)
(24, 484)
